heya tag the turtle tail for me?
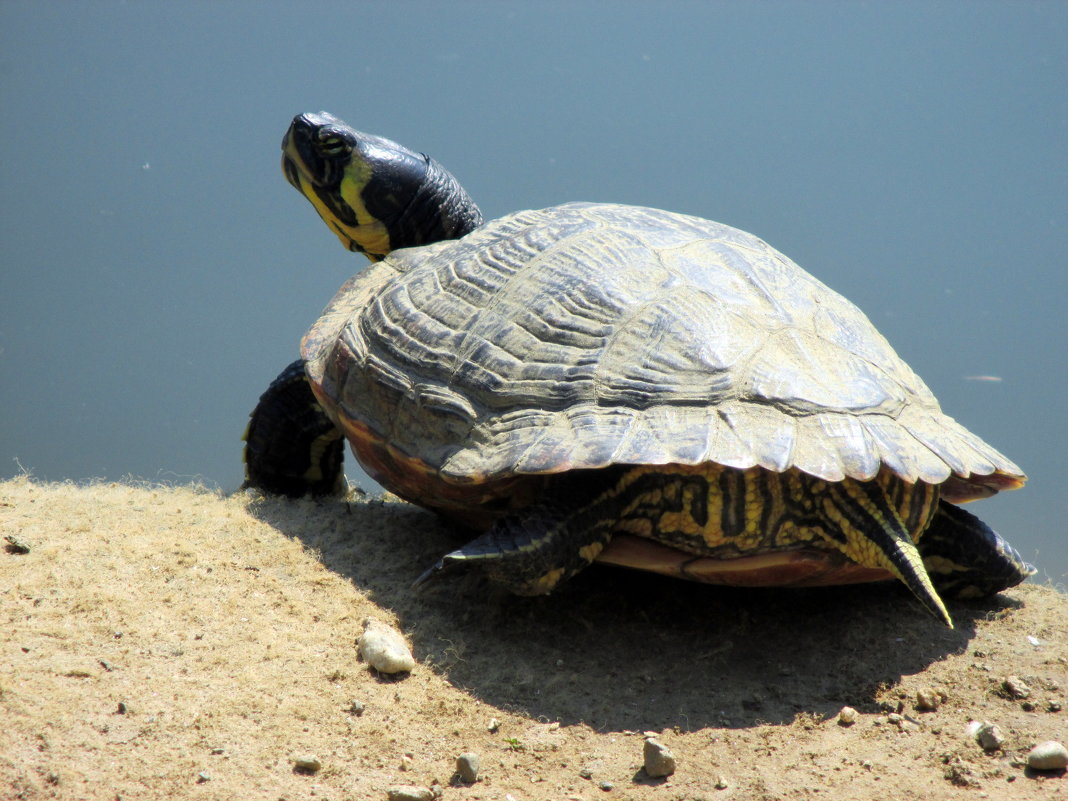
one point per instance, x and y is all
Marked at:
(291, 447)
(864, 525)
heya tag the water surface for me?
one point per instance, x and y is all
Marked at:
(158, 271)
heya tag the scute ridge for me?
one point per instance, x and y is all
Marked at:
(664, 339)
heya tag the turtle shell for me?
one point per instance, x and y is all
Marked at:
(587, 335)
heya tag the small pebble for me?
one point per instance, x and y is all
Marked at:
(122, 708)
(1015, 687)
(383, 648)
(721, 783)
(927, 700)
(493, 725)
(409, 792)
(306, 763)
(16, 546)
(1049, 755)
(847, 716)
(659, 761)
(467, 767)
(356, 708)
(1053, 706)
(203, 776)
(989, 736)
(607, 786)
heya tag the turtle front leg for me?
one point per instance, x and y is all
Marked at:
(531, 552)
(291, 447)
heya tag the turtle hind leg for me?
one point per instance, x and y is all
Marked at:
(291, 447)
(532, 551)
(966, 558)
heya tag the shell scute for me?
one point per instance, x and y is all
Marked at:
(586, 335)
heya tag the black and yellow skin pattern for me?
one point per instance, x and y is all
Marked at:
(966, 558)
(375, 194)
(722, 512)
(291, 447)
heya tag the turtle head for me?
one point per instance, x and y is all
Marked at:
(375, 194)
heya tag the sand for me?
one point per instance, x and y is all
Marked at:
(171, 643)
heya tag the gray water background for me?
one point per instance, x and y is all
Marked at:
(156, 271)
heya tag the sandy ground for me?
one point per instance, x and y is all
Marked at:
(170, 643)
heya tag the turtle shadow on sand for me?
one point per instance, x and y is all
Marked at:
(624, 650)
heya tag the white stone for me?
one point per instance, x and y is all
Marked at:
(659, 761)
(383, 648)
(1049, 755)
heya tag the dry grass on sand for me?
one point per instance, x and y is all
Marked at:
(166, 643)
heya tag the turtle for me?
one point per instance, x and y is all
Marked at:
(596, 382)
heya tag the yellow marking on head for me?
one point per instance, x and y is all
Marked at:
(369, 233)
(327, 214)
(357, 176)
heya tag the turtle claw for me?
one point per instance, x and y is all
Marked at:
(435, 569)
(429, 573)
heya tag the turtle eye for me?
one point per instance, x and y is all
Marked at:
(333, 144)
